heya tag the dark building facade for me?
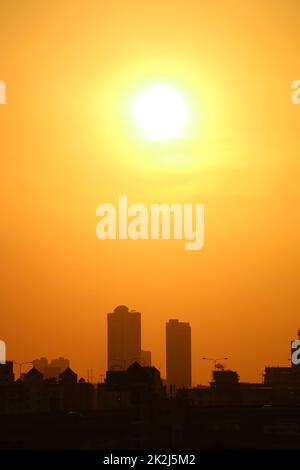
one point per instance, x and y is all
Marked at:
(178, 355)
(134, 387)
(123, 338)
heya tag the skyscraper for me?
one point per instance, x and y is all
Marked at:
(145, 358)
(123, 338)
(178, 349)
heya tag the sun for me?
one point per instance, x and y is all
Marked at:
(160, 113)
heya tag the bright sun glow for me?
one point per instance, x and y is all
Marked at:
(160, 112)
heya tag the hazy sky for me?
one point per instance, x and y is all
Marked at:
(68, 143)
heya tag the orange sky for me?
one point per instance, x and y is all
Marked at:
(67, 144)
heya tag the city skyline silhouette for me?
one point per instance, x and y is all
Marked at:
(70, 141)
(228, 412)
(124, 347)
(149, 281)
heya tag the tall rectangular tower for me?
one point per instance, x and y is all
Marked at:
(178, 349)
(123, 338)
(146, 358)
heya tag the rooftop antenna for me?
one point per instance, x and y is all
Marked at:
(215, 360)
